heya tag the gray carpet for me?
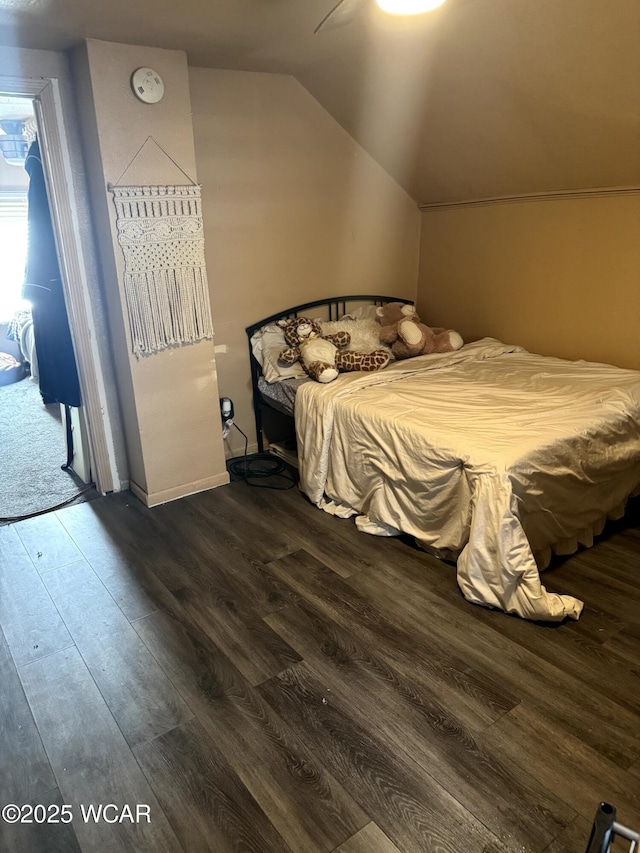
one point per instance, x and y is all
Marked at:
(32, 449)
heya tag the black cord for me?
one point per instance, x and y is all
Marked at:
(259, 466)
(48, 509)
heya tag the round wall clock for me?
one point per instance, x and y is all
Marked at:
(147, 85)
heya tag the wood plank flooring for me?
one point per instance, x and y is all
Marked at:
(259, 676)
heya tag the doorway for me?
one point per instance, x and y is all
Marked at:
(67, 196)
(43, 466)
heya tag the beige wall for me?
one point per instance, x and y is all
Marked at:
(294, 210)
(560, 277)
(169, 400)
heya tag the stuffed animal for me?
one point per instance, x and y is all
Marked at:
(408, 336)
(322, 357)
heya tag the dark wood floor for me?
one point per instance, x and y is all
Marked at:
(266, 679)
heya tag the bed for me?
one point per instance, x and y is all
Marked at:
(490, 456)
(274, 386)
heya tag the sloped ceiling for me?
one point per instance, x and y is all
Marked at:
(477, 98)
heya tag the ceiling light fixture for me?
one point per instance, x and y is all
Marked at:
(408, 7)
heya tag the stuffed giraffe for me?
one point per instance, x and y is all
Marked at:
(323, 357)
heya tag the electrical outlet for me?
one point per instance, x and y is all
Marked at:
(226, 409)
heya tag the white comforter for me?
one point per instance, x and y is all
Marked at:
(490, 455)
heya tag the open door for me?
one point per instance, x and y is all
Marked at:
(93, 430)
(46, 462)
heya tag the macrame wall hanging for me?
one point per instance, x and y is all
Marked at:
(165, 279)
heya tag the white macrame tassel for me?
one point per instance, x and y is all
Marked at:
(161, 234)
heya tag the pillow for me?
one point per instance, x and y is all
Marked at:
(362, 312)
(365, 333)
(266, 345)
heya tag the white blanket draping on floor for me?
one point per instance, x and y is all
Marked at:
(490, 455)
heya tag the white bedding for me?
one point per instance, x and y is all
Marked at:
(490, 455)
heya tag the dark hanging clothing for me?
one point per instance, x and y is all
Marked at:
(57, 370)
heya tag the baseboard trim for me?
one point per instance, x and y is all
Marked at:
(156, 498)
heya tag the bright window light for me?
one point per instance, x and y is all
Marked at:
(408, 7)
(13, 251)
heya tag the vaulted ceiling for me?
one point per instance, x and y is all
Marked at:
(477, 98)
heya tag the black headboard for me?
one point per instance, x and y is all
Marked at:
(335, 307)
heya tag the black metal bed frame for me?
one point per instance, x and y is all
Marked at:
(336, 307)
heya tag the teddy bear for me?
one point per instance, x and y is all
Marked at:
(403, 330)
(323, 356)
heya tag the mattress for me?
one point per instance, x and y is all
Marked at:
(281, 395)
(491, 456)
